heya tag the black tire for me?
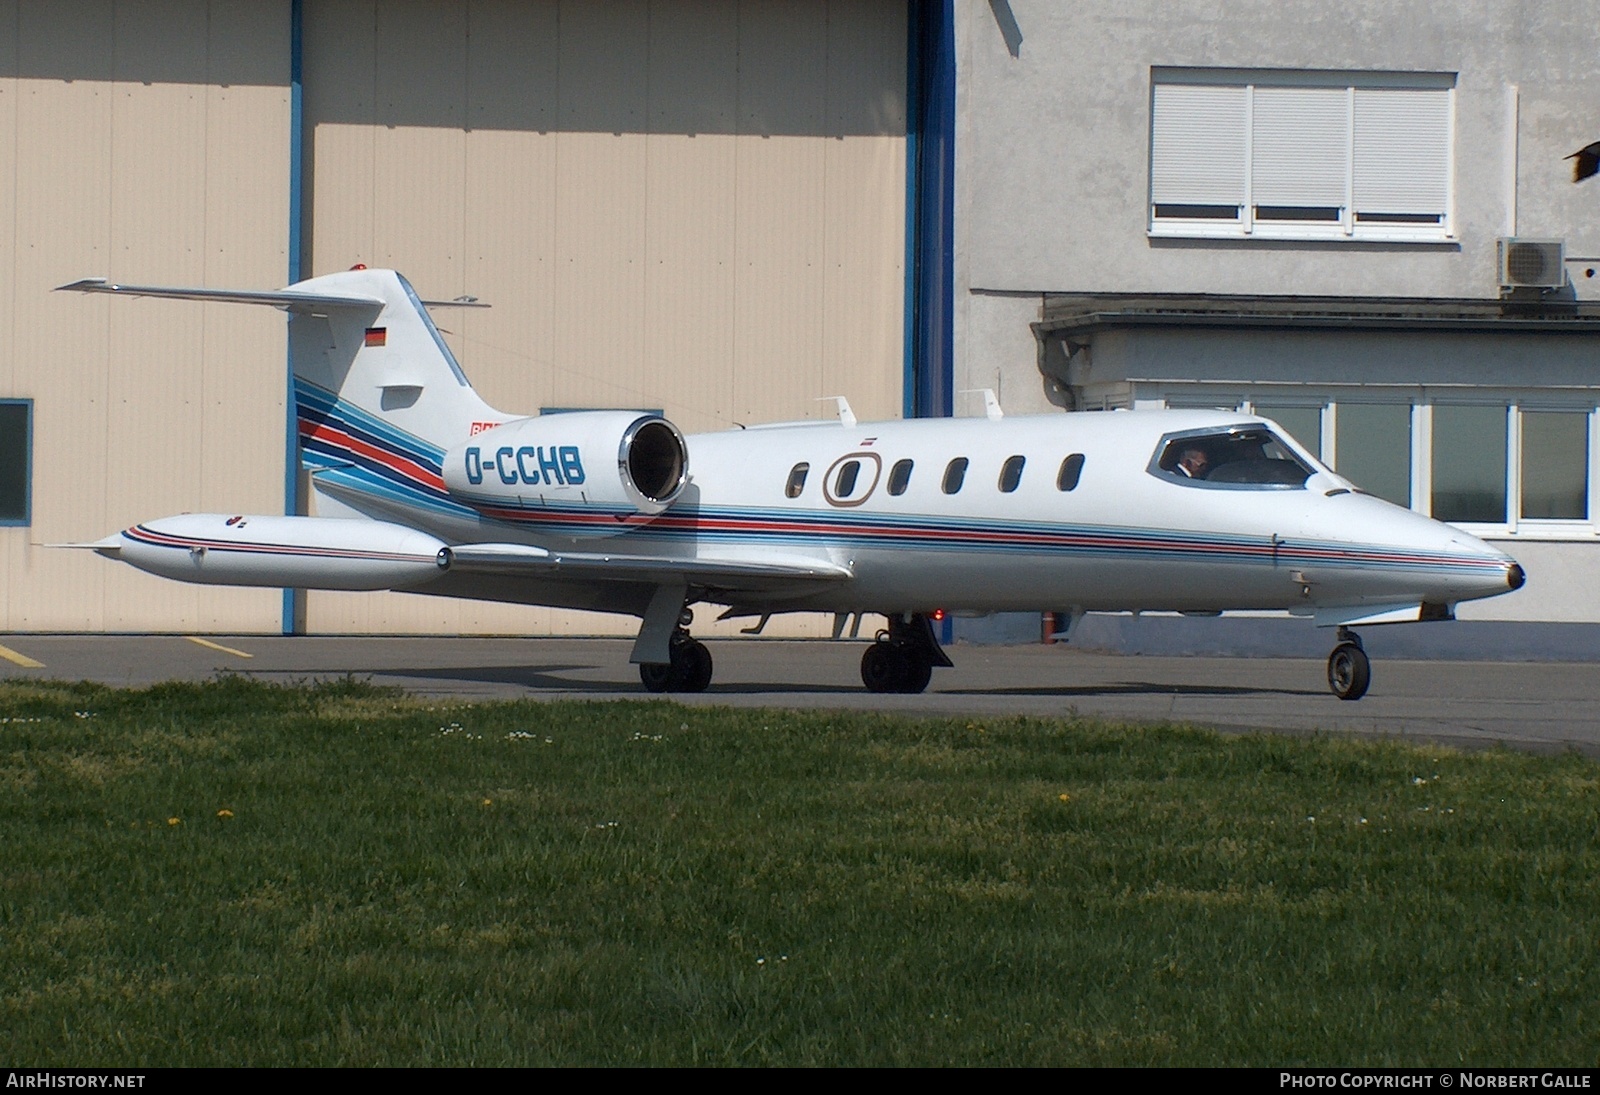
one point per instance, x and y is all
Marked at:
(1349, 671)
(882, 668)
(697, 667)
(656, 676)
(916, 676)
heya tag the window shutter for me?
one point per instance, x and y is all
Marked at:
(1402, 151)
(1300, 145)
(1197, 145)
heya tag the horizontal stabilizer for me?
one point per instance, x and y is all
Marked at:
(519, 559)
(109, 545)
(291, 299)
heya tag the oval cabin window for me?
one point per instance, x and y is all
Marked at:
(1011, 474)
(900, 477)
(845, 485)
(797, 480)
(1071, 469)
(955, 473)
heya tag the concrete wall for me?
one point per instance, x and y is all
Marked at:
(1053, 163)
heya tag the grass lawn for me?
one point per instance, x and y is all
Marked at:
(239, 874)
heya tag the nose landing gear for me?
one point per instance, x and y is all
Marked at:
(1349, 668)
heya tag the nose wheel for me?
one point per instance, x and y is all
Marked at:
(1349, 668)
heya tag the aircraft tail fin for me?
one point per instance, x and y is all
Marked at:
(382, 358)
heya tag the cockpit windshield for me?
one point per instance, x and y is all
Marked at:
(1242, 457)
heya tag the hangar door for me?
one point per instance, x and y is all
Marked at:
(697, 207)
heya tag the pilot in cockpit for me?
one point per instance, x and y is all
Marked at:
(1193, 462)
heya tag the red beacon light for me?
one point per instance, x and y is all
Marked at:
(359, 266)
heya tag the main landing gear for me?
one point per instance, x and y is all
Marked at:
(690, 668)
(902, 658)
(1349, 669)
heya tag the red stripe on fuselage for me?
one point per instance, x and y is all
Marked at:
(340, 439)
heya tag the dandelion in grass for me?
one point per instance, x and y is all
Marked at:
(1065, 797)
(224, 813)
(487, 802)
(174, 821)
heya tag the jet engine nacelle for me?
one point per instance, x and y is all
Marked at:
(616, 463)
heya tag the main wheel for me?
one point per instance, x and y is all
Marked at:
(883, 667)
(696, 666)
(916, 676)
(689, 670)
(657, 677)
(1349, 671)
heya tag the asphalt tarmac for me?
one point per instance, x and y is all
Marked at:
(1547, 707)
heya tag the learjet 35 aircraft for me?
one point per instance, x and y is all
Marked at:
(423, 487)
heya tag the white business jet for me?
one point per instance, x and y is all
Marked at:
(425, 488)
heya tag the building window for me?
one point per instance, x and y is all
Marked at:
(1300, 155)
(1304, 424)
(1372, 448)
(1469, 464)
(16, 471)
(1555, 466)
(1500, 467)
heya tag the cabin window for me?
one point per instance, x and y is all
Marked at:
(1011, 474)
(899, 477)
(797, 480)
(845, 484)
(955, 473)
(1246, 457)
(1071, 470)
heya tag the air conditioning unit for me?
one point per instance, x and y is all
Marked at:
(1532, 264)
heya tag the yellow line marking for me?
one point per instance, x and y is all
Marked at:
(217, 646)
(21, 659)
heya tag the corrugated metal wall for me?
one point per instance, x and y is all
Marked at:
(697, 206)
(147, 142)
(691, 206)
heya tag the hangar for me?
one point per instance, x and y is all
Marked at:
(696, 207)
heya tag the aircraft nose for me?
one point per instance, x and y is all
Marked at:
(1515, 576)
